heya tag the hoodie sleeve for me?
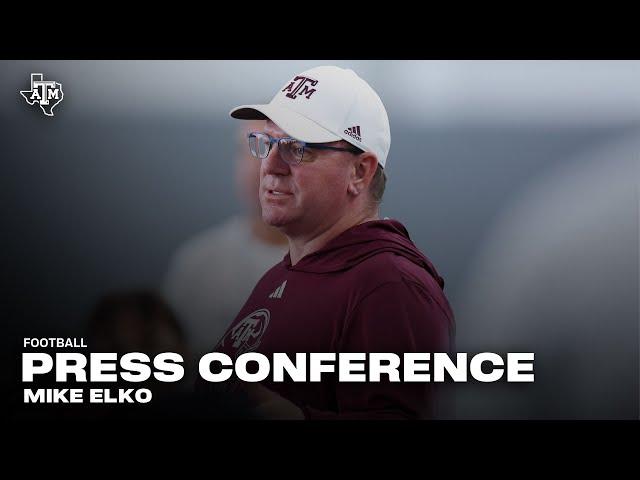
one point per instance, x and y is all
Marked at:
(399, 317)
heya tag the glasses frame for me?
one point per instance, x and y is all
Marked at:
(305, 145)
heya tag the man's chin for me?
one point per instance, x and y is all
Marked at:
(275, 219)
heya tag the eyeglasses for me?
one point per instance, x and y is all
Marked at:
(291, 150)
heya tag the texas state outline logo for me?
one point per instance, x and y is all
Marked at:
(47, 94)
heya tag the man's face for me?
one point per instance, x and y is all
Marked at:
(303, 198)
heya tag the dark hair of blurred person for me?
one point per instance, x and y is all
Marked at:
(142, 321)
(135, 321)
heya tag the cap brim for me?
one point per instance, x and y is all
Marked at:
(292, 123)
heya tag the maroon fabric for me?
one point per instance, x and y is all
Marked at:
(368, 290)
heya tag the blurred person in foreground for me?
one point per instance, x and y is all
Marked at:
(142, 321)
(135, 321)
(211, 274)
(350, 282)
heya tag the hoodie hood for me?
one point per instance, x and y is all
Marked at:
(361, 242)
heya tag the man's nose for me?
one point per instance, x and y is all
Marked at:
(274, 163)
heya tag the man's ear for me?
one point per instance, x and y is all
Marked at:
(362, 172)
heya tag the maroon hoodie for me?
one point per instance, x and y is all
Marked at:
(367, 290)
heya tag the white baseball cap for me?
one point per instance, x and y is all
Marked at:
(327, 104)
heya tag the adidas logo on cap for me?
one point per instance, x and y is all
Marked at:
(354, 132)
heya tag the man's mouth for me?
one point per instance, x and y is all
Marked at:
(278, 192)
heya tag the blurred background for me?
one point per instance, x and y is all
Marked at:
(518, 179)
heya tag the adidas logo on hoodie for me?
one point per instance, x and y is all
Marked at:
(277, 293)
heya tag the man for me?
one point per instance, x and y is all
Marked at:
(350, 282)
(211, 274)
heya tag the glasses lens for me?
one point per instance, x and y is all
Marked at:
(253, 145)
(292, 150)
(264, 145)
(259, 145)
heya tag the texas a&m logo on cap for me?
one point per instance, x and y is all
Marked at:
(300, 86)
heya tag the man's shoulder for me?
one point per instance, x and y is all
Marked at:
(388, 267)
(391, 275)
(392, 271)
